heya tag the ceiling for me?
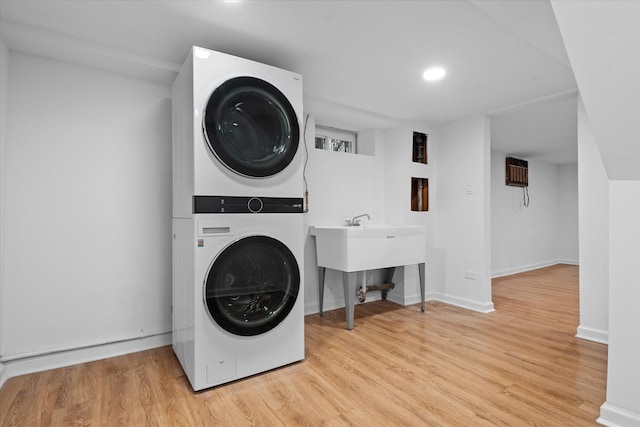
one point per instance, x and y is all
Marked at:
(361, 61)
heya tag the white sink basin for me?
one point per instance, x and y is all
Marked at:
(370, 246)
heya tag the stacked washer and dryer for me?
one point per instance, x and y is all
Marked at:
(238, 305)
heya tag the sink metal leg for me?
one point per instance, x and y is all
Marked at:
(321, 272)
(349, 285)
(422, 284)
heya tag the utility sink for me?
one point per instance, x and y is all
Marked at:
(369, 246)
(354, 249)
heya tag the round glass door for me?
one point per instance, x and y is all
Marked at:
(252, 285)
(251, 127)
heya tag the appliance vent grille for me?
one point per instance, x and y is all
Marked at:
(517, 172)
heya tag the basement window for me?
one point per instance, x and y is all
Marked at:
(334, 139)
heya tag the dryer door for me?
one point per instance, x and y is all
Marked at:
(251, 127)
(252, 285)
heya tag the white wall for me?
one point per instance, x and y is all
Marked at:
(594, 235)
(340, 185)
(568, 236)
(623, 374)
(379, 183)
(4, 88)
(398, 171)
(86, 209)
(602, 40)
(523, 238)
(610, 114)
(343, 185)
(545, 232)
(461, 207)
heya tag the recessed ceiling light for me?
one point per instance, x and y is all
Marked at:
(202, 54)
(434, 73)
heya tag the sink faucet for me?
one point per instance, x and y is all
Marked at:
(355, 221)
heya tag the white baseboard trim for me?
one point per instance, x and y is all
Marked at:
(482, 307)
(407, 300)
(28, 365)
(334, 304)
(3, 374)
(524, 268)
(591, 334)
(612, 416)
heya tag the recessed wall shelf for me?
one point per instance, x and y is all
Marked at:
(419, 194)
(419, 147)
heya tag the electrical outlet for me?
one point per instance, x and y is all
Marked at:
(470, 275)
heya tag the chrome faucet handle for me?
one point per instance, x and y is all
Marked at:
(356, 220)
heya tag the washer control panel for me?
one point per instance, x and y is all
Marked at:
(236, 204)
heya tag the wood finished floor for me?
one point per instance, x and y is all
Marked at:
(520, 365)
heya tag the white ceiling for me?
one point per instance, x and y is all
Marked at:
(361, 61)
(544, 131)
(603, 39)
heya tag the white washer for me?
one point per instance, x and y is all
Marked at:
(238, 302)
(237, 129)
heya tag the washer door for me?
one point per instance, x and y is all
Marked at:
(252, 285)
(251, 127)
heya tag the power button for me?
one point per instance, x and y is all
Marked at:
(254, 205)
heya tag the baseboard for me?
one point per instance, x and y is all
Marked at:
(3, 374)
(591, 334)
(54, 360)
(525, 268)
(482, 307)
(612, 416)
(334, 304)
(406, 300)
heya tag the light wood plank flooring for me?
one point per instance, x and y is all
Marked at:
(520, 365)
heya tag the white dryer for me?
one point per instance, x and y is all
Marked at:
(236, 129)
(238, 303)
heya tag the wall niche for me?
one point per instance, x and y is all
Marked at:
(419, 194)
(419, 154)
